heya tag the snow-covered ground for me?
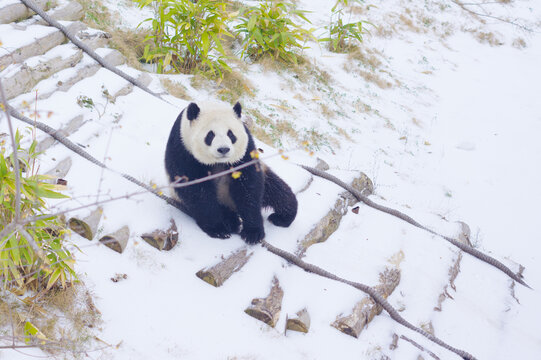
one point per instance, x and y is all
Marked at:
(453, 138)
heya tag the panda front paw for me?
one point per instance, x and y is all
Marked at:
(219, 230)
(252, 235)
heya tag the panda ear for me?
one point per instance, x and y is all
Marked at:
(237, 109)
(192, 111)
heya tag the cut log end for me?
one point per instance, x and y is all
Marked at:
(88, 226)
(163, 240)
(268, 309)
(208, 277)
(118, 240)
(219, 273)
(262, 315)
(300, 323)
(81, 228)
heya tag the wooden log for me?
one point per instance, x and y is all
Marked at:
(268, 309)
(322, 165)
(219, 273)
(17, 11)
(300, 322)
(454, 270)
(330, 222)
(118, 240)
(88, 226)
(366, 309)
(163, 240)
(73, 125)
(59, 172)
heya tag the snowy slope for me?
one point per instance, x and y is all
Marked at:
(454, 138)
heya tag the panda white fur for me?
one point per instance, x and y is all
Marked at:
(208, 138)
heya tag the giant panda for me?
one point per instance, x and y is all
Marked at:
(208, 138)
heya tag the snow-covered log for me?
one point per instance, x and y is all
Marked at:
(163, 239)
(300, 322)
(219, 273)
(330, 222)
(88, 226)
(59, 171)
(118, 240)
(268, 309)
(366, 309)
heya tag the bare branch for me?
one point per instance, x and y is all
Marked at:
(464, 7)
(15, 155)
(419, 347)
(465, 247)
(87, 49)
(368, 290)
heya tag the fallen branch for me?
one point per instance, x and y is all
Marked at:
(463, 6)
(368, 290)
(478, 254)
(470, 250)
(77, 149)
(87, 49)
(419, 347)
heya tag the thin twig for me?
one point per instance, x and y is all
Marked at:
(465, 8)
(420, 347)
(15, 156)
(104, 159)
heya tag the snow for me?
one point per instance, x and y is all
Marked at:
(454, 139)
(20, 37)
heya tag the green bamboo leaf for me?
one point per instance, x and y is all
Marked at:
(217, 43)
(3, 167)
(205, 42)
(14, 250)
(167, 60)
(53, 278)
(49, 194)
(259, 37)
(32, 330)
(251, 22)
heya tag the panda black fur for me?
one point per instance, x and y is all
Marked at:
(209, 138)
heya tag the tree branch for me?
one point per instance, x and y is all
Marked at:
(15, 155)
(470, 250)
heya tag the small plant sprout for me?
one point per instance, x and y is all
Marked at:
(87, 102)
(342, 35)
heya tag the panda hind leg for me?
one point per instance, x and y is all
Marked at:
(279, 196)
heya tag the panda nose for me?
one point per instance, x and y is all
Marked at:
(223, 150)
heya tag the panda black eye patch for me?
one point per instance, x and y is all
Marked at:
(209, 138)
(232, 136)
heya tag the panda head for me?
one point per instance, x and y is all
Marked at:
(214, 133)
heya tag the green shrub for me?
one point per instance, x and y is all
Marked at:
(187, 36)
(342, 35)
(269, 29)
(21, 267)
